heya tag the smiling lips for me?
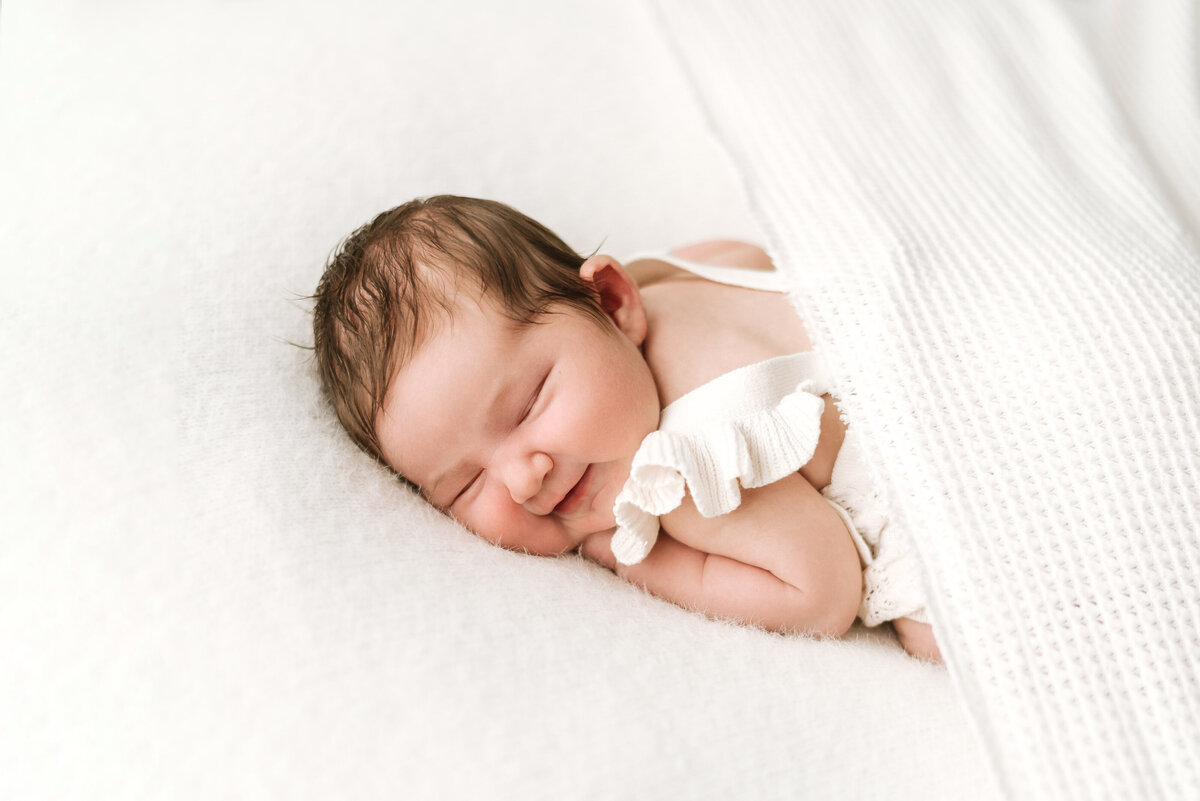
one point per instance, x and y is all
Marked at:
(578, 494)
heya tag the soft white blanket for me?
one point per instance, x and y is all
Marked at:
(208, 593)
(205, 591)
(994, 256)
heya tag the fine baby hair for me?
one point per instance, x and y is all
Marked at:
(396, 276)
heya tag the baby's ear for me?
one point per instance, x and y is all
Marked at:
(619, 295)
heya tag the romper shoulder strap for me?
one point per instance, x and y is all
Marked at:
(765, 280)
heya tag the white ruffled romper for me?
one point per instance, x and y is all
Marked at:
(751, 427)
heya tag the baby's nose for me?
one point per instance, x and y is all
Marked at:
(526, 474)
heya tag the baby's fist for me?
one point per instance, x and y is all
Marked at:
(598, 548)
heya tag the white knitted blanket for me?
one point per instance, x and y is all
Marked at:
(1000, 276)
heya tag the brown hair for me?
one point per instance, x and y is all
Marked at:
(370, 313)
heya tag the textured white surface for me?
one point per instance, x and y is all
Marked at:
(991, 247)
(207, 593)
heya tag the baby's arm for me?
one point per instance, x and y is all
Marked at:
(782, 560)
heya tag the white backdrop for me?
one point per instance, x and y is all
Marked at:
(207, 592)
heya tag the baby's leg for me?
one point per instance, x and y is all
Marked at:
(917, 639)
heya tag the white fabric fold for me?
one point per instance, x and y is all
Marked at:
(746, 428)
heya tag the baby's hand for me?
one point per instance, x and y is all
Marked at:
(598, 548)
(917, 639)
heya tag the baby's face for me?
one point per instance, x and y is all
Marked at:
(523, 434)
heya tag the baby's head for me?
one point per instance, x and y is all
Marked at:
(467, 347)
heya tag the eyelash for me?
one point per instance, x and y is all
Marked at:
(465, 489)
(533, 400)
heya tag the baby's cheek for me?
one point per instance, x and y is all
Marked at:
(496, 518)
(490, 517)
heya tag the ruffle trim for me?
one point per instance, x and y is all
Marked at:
(713, 465)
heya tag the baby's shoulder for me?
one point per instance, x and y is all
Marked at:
(698, 329)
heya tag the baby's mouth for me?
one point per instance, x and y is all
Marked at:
(576, 496)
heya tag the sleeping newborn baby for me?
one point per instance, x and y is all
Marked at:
(663, 416)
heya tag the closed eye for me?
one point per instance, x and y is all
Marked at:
(474, 480)
(532, 400)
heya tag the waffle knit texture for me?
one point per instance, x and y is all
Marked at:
(1009, 305)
